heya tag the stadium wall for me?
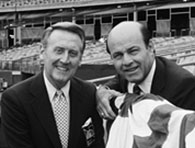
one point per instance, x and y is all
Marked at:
(98, 20)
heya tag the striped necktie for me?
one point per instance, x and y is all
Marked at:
(136, 89)
(61, 113)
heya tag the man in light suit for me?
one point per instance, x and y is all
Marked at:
(28, 108)
(136, 64)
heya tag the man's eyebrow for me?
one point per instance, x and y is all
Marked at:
(133, 48)
(117, 52)
(60, 47)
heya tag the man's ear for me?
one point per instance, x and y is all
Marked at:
(41, 53)
(151, 47)
(80, 64)
(42, 48)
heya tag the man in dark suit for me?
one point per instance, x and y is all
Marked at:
(135, 61)
(29, 114)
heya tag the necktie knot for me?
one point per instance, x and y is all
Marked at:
(136, 89)
(59, 96)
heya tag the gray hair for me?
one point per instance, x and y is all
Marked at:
(66, 26)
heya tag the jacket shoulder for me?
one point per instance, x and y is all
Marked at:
(172, 69)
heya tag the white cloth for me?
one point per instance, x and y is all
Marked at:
(61, 113)
(149, 121)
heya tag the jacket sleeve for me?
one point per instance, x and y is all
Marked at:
(184, 94)
(99, 131)
(98, 128)
(14, 122)
(114, 83)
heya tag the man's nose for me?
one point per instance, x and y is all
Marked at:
(127, 59)
(65, 57)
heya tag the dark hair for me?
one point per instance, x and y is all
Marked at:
(145, 33)
(66, 26)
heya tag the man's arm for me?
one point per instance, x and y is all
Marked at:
(99, 130)
(14, 122)
(184, 94)
(105, 96)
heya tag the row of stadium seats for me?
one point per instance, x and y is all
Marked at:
(20, 52)
(27, 58)
(159, 40)
(175, 46)
(93, 50)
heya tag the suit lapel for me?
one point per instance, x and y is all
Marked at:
(76, 110)
(121, 84)
(158, 82)
(43, 110)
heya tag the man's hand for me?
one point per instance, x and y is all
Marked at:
(103, 96)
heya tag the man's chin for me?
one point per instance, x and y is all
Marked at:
(61, 77)
(133, 79)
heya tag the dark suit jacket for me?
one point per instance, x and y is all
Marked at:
(170, 81)
(28, 120)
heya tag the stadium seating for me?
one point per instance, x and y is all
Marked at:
(27, 58)
(175, 46)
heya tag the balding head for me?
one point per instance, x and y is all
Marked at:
(129, 48)
(124, 28)
(130, 30)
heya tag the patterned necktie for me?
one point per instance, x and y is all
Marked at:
(61, 113)
(136, 89)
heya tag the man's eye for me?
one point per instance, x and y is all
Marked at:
(73, 53)
(117, 56)
(59, 50)
(133, 51)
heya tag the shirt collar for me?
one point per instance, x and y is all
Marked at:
(145, 85)
(51, 90)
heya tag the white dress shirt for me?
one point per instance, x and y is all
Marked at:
(51, 90)
(145, 85)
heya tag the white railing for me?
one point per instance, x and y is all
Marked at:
(36, 4)
(18, 3)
